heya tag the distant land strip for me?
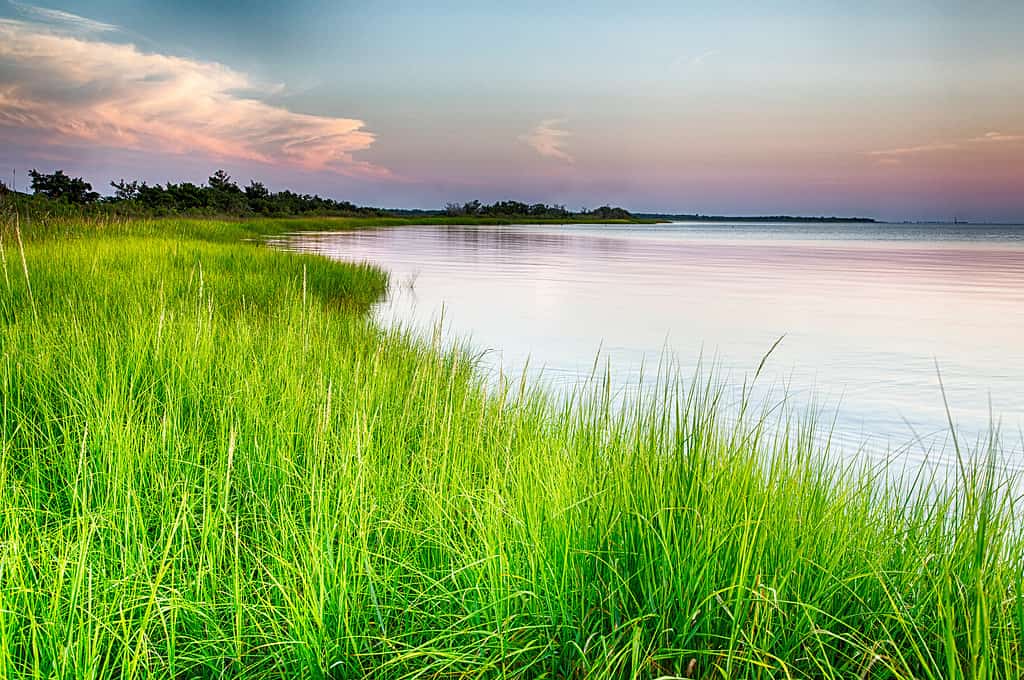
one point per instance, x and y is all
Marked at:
(757, 218)
(223, 197)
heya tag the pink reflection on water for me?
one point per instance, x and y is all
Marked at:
(866, 314)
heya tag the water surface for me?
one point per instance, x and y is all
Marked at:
(866, 311)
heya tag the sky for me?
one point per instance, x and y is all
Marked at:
(911, 110)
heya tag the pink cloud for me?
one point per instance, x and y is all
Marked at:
(886, 155)
(998, 137)
(72, 89)
(548, 139)
(913, 150)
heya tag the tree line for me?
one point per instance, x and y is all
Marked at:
(221, 195)
(537, 210)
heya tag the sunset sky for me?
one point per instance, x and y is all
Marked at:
(911, 110)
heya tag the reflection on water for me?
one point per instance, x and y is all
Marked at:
(867, 310)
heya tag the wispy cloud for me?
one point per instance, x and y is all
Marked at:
(59, 81)
(894, 155)
(548, 139)
(61, 19)
(912, 150)
(691, 62)
(998, 137)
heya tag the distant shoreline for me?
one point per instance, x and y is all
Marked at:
(759, 218)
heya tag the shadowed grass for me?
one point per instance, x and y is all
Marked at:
(213, 465)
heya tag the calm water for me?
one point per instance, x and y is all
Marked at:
(866, 311)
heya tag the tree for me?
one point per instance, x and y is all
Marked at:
(224, 196)
(155, 198)
(256, 190)
(59, 186)
(606, 212)
(507, 209)
(258, 197)
(221, 181)
(126, 191)
(188, 196)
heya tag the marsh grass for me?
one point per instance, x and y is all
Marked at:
(213, 464)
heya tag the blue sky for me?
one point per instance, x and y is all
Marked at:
(912, 112)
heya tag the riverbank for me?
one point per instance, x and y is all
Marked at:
(212, 464)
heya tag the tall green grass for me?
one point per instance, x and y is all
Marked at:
(213, 464)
